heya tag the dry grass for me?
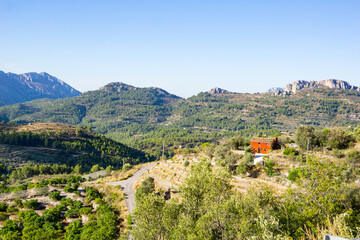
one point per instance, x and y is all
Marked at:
(46, 127)
(337, 227)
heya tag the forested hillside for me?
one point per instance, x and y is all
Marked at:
(146, 117)
(62, 144)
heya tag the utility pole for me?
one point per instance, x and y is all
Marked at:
(163, 150)
(308, 143)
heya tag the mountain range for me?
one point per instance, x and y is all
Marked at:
(146, 117)
(17, 88)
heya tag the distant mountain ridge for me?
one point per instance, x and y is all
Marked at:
(145, 118)
(302, 84)
(17, 88)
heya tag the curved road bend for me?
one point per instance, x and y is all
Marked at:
(128, 186)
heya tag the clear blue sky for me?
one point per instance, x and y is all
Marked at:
(182, 46)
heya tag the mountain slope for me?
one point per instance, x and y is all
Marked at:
(16, 88)
(146, 117)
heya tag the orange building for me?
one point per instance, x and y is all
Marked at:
(261, 145)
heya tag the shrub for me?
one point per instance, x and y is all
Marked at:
(3, 206)
(147, 187)
(353, 156)
(245, 165)
(18, 202)
(31, 204)
(55, 195)
(52, 214)
(76, 205)
(338, 139)
(3, 216)
(300, 158)
(126, 167)
(95, 168)
(66, 201)
(11, 209)
(295, 174)
(108, 170)
(303, 134)
(92, 193)
(129, 219)
(338, 153)
(72, 213)
(290, 151)
(71, 187)
(86, 211)
(269, 167)
(77, 193)
(186, 163)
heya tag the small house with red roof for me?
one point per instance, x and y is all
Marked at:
(261, 145)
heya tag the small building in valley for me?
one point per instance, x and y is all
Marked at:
(262, 145)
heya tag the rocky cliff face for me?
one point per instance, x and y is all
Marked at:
(16, 88)
(302, 84)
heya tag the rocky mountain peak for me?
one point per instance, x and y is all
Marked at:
(217, 90)
(117, 87)
(16, 88)
(303, 84)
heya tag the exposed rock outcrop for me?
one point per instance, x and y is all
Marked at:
(217, 90)
(302, 84)
(117, 87)
(274, 89)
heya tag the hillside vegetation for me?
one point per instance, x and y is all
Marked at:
(218, 192)
(147, 117)
(50, 143)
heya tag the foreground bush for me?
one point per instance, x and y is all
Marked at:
(209, 209)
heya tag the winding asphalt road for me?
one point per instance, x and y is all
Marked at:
(128, 186)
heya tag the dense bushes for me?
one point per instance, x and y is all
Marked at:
(246, 164)
(290, 151)
(147, 186)
(102, 224)
(209, 209)
(333, 139)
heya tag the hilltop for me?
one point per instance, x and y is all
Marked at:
(17, 88)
